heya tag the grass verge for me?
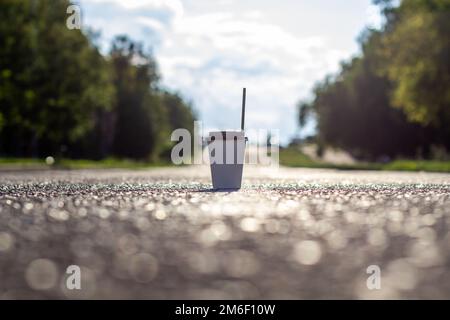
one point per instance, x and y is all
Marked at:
(290, 157)
(109, 163)
(293, 157)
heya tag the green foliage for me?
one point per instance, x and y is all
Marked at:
(145, 115)
(354, 114)
(60, 96)
(404, 65)
(418, 165)
(64, 163)
(135, 75)
(292, 157)
(49, 87)
(181, 115)
(415, 50)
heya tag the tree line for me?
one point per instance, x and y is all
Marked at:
(392, 100)
(60, 96)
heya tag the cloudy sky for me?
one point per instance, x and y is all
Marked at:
(209, 49)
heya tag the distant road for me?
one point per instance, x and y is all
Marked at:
(162, 233)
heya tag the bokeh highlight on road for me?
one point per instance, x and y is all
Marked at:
(164, 234)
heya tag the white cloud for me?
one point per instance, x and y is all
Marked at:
(374, 18)
(150, 22)
(210, 55)
(218, 53)
(172, 5)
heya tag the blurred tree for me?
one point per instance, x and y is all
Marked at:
(49, 89)
(181, 114)
(140, 116)
(399, 66)
(353, 111)
(59, 95)
(145, 115)
(415, 49)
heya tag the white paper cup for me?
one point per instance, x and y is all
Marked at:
(226, 154)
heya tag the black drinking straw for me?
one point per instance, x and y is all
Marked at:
(243, 109)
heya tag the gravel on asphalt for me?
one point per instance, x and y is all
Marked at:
(164, 234)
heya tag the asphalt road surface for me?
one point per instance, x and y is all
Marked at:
(163, 233)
